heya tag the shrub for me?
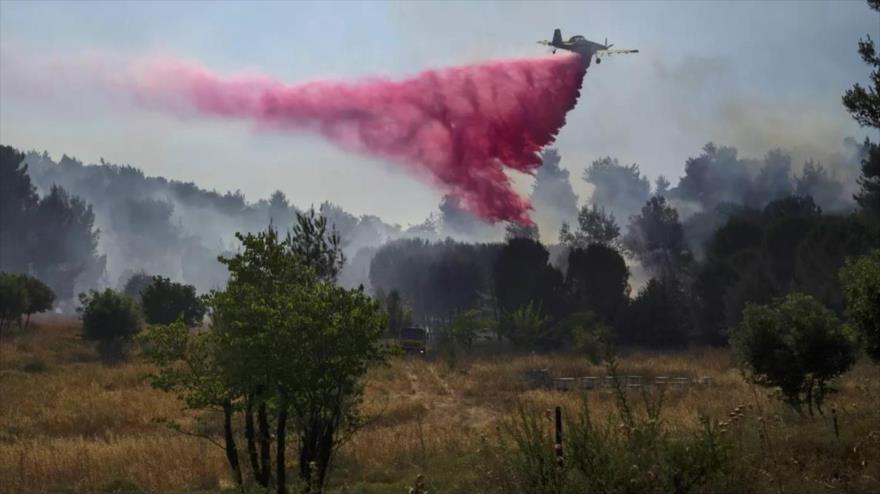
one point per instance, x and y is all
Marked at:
(165, 301)
(628, 452)
(111, 319)
(860, 278)
(796, 344)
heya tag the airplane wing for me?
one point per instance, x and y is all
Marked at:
(614, 51)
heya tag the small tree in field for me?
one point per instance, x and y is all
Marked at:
(188, 367)
(111, 319)
(466, 326)
(13, 299)
(39, 297)
(22, 295)
(165, 301)
(287, 349)
(860, 279)
(525, 326)
(795, 344)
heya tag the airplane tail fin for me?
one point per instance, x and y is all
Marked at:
(557, 37)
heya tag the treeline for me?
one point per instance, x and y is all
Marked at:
(52, 237)
(753, 255)
(78, 226)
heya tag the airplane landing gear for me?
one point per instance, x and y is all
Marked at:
(598, 60)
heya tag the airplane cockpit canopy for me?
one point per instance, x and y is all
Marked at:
(577, 38)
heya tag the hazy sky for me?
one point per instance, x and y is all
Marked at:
(756, 75)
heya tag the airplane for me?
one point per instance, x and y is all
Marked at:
(583, 47)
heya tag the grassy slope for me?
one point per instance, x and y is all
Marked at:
(69, 422)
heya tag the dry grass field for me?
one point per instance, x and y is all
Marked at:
(69, 423)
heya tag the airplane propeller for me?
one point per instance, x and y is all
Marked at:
(606, 43)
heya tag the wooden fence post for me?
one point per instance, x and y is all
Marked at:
(558, 445)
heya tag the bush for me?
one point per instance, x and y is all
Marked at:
(796, 344)
(165, 301)
(860, 278)
(111, 319)
(625, 453)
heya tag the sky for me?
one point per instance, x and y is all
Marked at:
(755, 75)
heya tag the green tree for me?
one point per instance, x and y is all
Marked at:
(292, 341)
(111, 319)
(597, 280)
(860, 278)
(467, 325)
(864, 106)
(658, 316)
(13, 299)
(399, 315)
(188, 366)
(39, 297)
(795, 344)
(522, 276)
(656, 238)
(525, 326)
(165, 301)
(595, 226)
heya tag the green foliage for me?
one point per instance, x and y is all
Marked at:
(597, 280)
(22, 295)
(656, 238)
(13, 299)
(466, 325)
(794, 344)
(586, 332)
(285, 342)
(290, 337)
(312, 240)
(860, 278)
(187, 364)
(627, 453)
(864, 106)
(165, 301)
(759, 255)
(595, 226)
(522, 276)
(658, 317)
(864, 103)
(525, 326)
(111, 319)
(40, 296)
(399, 314)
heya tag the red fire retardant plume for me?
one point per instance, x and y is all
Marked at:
(461, 127)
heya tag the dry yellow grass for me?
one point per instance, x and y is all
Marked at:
(75, 424)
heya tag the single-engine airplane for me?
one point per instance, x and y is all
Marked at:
(583, 47)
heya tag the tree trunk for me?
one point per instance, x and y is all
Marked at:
(317, 448)
(229, 437)
(250, 434)
(281, 434)
(265, 443)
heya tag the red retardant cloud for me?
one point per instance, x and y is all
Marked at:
(461, 127)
